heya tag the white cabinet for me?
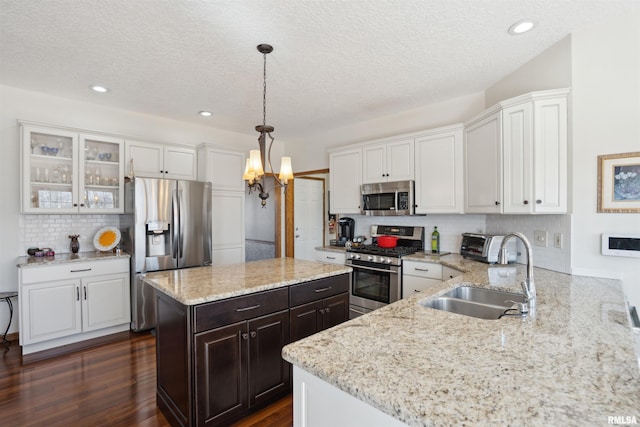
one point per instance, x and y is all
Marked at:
(550, 162)
(330, 257)
(222, 167)
(450, 273)
(516, 156)
(389, 161)
(419, 276)
(483, 164)
(535, 154)
(228, 237)
(316, 403)
(155, 160)
(345, 178)
(67, 171)
(71, 302)
(518, 161)
(439, 170)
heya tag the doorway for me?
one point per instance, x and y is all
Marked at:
(308, 216)
(290, 214)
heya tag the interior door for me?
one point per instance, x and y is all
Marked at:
(308, 217)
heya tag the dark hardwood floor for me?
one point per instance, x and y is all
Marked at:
(110, 385)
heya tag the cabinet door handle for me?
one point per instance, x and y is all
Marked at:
(80, 271)
(538, 202)
(253, 307)
(327, 310)
(253, 334)
(322, 311)
(161, 171)
(317, 291)
(77, 293)
(416, 290)
(84, 288)
(526, 202)
(497, 203)
(245, 336)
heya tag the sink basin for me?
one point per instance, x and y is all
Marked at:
(475, 302)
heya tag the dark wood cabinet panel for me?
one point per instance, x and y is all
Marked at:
(268, 372)
(317, 289)
(336, 310)
(173, 358)
(219, 313)
(305, 320)
(220, 374)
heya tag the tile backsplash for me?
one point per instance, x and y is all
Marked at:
(52, 231)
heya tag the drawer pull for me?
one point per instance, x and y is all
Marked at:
(80, 271)
(421, 269)
(317, 291)
(253, 307)
(331, 257)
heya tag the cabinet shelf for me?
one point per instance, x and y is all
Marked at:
(54, 183)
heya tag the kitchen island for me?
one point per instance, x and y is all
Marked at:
(407, 364)
(220, 331)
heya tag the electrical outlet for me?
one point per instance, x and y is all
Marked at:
(540, 238)
(557, 240)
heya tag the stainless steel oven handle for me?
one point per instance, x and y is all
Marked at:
(373, 269)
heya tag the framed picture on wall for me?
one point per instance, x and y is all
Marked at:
(619, 182)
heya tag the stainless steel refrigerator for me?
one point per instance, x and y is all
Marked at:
(166, 226)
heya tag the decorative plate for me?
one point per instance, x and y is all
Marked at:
(106, 239)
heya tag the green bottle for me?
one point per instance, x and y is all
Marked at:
(435, 241)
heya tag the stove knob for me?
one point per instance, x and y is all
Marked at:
(369, 258)
(357, 256)
(389, 261)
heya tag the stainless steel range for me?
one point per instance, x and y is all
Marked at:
(377, 272)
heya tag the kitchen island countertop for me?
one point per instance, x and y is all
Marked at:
(574, 365)
(198, 285)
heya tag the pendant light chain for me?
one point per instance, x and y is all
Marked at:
(264, 91)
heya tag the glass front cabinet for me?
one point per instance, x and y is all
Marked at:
(66, 171)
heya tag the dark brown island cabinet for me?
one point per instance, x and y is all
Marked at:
(221, 360)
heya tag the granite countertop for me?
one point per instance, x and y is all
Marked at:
(32, 261)
(198, 285)
(574, 365)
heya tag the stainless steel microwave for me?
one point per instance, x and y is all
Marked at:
(388, 198)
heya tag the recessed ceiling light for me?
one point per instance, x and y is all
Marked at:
(206, 113)
(98, 88)
(521, 27)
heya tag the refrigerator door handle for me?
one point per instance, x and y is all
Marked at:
(175, 221)
(181, 221)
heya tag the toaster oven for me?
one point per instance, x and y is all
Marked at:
(485, 247)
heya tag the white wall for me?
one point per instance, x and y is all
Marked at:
(606, 120)
(549, 70)
(20, 104)
(310, 153)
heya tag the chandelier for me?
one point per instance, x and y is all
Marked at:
(254, 170)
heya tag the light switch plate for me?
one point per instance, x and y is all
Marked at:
(540, 238)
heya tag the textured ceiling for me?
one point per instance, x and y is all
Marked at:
(334, 62)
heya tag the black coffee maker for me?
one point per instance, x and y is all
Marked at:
(346, 229)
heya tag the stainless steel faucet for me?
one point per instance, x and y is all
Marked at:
(528, 286)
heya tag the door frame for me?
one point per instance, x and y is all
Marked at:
(289, 234)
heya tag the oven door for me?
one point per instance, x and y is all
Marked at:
(374, 285)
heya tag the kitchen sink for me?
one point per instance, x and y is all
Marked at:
(475, 302)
